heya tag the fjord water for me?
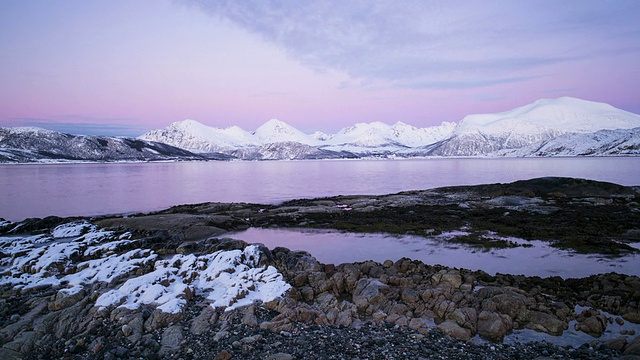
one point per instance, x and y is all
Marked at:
(94, 189)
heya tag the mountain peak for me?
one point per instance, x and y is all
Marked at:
(274, 131)
(560, 115)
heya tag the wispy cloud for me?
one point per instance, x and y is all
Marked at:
(438, 44)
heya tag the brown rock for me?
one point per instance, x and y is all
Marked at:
(452, 329)
(410, 296)
(547, 323)
(493, 326)
(466, 317)
(632, 316)
(223, 355)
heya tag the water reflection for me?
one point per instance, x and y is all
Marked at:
(537, 260)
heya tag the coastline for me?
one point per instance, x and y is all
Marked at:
(399, 308)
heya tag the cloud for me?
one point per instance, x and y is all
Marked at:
(410, 42)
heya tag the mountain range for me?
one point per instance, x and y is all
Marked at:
(548, 127)
(31, 144)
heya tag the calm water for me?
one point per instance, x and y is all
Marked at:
(93, 189)
(334, 247)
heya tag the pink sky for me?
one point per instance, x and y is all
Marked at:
(121, 67)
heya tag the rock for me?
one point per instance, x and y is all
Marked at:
(410, 296)
(547, 323)
(160, 319)
(452, 329)
(126, 329)
(447, 278)
(249, 316)
(591, 322)
(493, 326)
(511, 303)
(417, 323)
(64, 299)
(444, 308)
(280, 356)
(201, 324)
(171, 340)
(369, 293)
(7, 354)
(632, 316)
(633, 347)
(223, 355)
(615, 344)
(277, 326)
(466, 317)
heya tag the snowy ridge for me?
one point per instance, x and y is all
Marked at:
(196, 137)
(77, 255)
(542, 120)
(476, 135)
(28, 144)
(622, 142)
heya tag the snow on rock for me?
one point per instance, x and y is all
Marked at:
(77, 255)
(72, 229)
(228, 279)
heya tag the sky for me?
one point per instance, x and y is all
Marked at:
(122, 67)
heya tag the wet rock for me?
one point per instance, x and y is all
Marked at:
(632, 316)
(633, 348)
(615, 344)
(591, 322)
(547, 323)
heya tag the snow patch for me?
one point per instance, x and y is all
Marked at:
(78, 254)
(72, 229)
(228, 279)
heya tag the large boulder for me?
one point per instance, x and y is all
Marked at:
(547, 323)
(493, 326)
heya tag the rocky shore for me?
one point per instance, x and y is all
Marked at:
(172, 285)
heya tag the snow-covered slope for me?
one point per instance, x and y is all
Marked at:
(526, 125)
(29, 144)
(619, 142)
(275, 131)
(194, 136)
(377, 134)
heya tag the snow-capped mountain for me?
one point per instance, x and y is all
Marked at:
(377, 134)
(30, 144)
(548, 127)
(620, 142)
(197, 137)
(542, 120)
(365, 139)
(276, 131)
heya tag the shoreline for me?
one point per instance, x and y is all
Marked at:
(83, 287)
